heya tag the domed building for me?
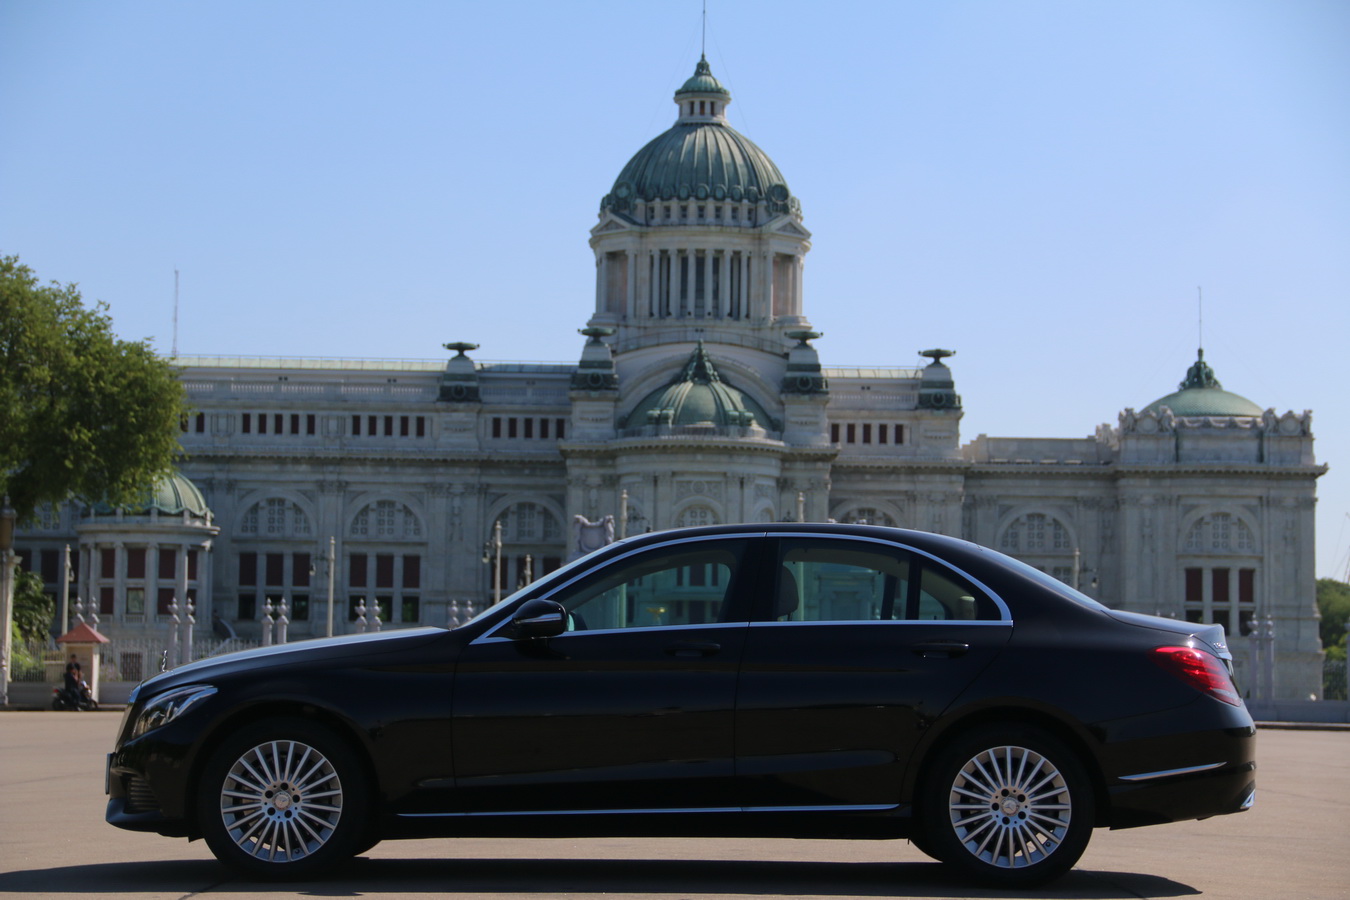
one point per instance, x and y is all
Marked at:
(423, 488)
(135, 561)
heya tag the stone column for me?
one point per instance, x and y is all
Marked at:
(631, 297)
(601, 282)
(677, 300)
(120, 579)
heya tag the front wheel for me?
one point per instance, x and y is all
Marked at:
(282, 799)
(1010, 805)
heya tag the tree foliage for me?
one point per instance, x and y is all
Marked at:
(34, 609)
(1333, 602)
(82, 413)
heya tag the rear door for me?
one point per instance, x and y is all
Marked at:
(856, 648)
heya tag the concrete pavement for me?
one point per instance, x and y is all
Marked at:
(54, 844)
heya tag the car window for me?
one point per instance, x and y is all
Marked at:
(847, 581)
(683, 584)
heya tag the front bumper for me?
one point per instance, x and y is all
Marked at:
(147, 782)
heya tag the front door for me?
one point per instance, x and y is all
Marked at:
(631, 709)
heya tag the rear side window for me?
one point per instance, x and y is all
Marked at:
(825, 580)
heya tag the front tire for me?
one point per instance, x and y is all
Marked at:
(1009, 805)
(283, 798)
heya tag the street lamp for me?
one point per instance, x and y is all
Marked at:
(492, 553)
(7, 517)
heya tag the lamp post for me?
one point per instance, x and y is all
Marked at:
(328, 561)
(332, 564)
(67, 575)
(492, 553)
(7, 517)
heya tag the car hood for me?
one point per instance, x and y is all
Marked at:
(351, 646)
(1212, 636)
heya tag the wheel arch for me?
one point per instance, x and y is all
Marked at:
(1077, 738)
(280, 708)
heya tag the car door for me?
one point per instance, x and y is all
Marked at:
(631, 709)
(859, 645)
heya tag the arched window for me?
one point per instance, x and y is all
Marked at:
(867, 515)
(695, 516)
(1219, 533)
(275, 517)
(387, 520)
(1220, 565)
(1043, 541)
(532, 544)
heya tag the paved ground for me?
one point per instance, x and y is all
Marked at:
(54, 844)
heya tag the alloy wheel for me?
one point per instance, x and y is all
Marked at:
(281, 801)
(1010, 807)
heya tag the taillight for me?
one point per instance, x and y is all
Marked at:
(1200, 670)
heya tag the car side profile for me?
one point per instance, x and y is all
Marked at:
(794, 680)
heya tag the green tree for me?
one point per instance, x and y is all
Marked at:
(1333, 602)
(82, 413)
(33, 608)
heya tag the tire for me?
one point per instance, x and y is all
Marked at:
(283, 798)
(1009, 805)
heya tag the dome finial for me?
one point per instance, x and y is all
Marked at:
(1200, 375)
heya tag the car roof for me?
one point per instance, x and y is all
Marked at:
(925, 540)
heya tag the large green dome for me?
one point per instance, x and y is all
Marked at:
(1202, 395)
(701, 157)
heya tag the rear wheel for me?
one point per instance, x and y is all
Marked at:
(281, 799)
(1010, 805)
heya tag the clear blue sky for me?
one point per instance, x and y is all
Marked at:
(1041, 186)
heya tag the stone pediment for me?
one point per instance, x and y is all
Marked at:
(610, 223)
(792, 228)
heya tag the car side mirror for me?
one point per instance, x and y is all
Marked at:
(539, 619)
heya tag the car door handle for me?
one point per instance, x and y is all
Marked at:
(692, 649)
(940, 649)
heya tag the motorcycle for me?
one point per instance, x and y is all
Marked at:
(72, 698)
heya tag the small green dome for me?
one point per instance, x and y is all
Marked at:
(702, 81)
(698, 396)
(173, 495)
(1201, 394)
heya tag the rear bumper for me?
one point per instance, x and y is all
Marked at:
(1175, 798)
(1191, 763)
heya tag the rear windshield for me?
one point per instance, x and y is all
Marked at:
(1047, 581)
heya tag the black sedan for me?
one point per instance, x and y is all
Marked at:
(823, 681)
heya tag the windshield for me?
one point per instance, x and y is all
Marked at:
(533, 586)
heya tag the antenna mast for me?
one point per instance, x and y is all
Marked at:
(703, 39)
(1200, 318)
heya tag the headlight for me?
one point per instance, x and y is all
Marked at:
(166, 707)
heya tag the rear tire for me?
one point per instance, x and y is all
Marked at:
(283, 798)
(1008, 804)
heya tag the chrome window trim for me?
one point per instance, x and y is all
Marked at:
(491, 634)
(493, 638)
(1005, 614)
(1169, 773)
